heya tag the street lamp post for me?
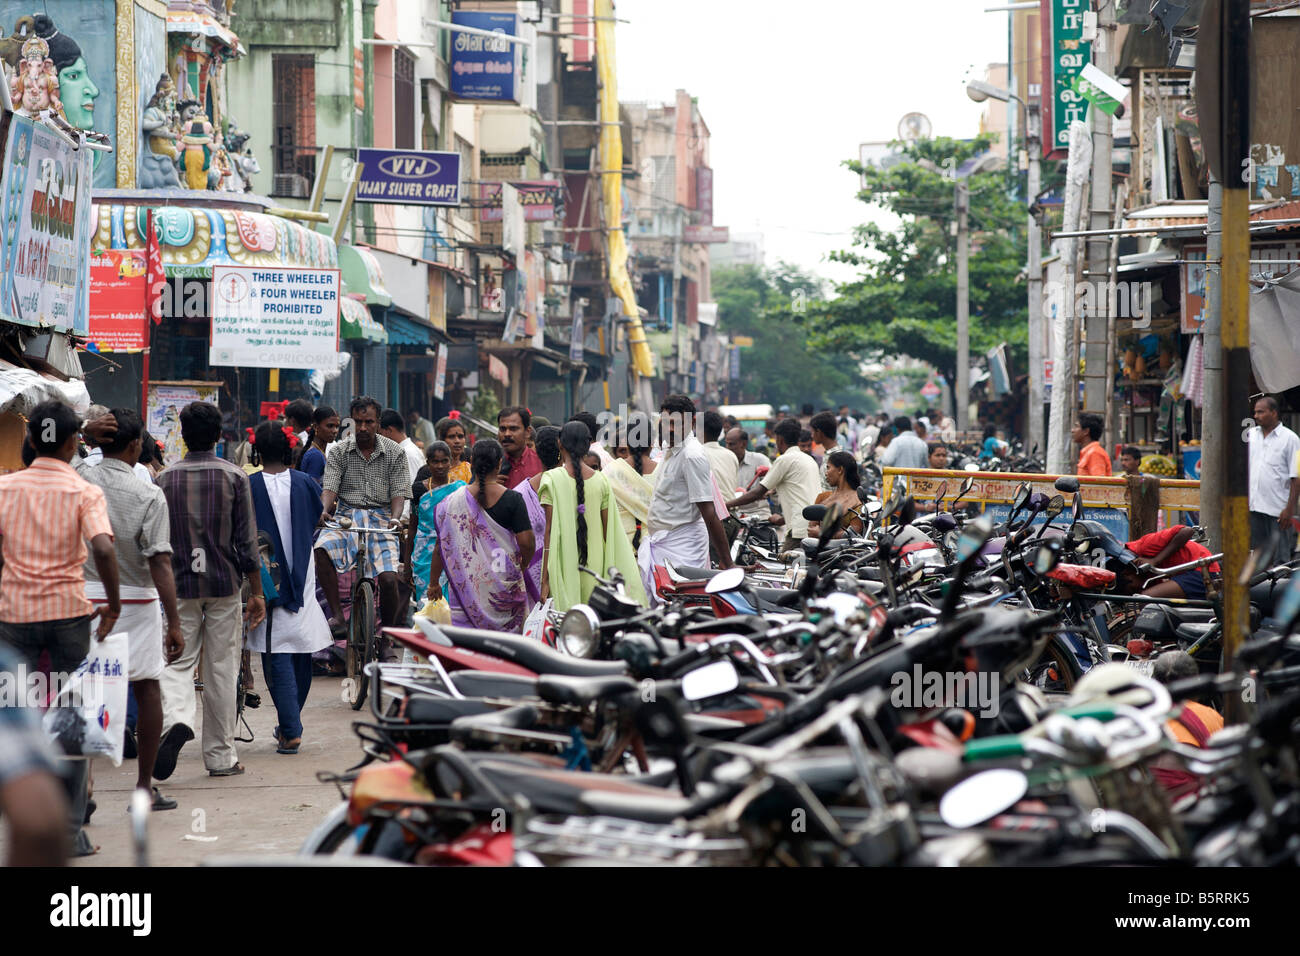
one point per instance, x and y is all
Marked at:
(979, 91)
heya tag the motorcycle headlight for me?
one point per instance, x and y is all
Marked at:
(580, 632)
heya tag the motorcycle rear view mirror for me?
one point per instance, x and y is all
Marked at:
(1078, 506)
(1055, 506)
(966, 486)
(874, 508)
(1022, 496)
(720, 677)
(982, 797)
(1066, 483)
(973, 537)
(907, 514)
(1048, 556)
(941, 492)
(814, 512)
(728, 580)
(864, 493)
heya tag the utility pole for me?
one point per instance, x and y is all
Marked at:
(962, 396)
(368, 8)
(1098, 378)
(1033, 144)
(1230, 21)
(1213, 429)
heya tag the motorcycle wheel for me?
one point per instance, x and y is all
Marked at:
(1056, 671)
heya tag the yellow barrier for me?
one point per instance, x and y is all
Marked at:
(999, 487)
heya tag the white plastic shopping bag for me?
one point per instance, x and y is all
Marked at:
(535, 623)
(87, 718)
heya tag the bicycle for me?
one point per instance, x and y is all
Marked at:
(362, 631)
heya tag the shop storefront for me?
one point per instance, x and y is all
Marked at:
(191, 241)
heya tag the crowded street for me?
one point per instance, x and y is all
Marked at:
(509, 434)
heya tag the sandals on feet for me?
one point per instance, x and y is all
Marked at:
(234, 771)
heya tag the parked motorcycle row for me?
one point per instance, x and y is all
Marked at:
(933, 690)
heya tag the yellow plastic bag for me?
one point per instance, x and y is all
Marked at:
(438, 611)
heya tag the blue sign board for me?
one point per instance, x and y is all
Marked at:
(483, 68)
(409, 177)
(1114, 520)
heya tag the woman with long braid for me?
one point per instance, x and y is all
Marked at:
(582, 526)
(485, 543)
(547, 442)
(632, 474)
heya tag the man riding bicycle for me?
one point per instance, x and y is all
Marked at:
(366, 479)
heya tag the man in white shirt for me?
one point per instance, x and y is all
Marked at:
(749, 462)
(393, 427)
(907, 450)
(682, 521)
(1273, 448)
(942, 428)
(721, 462)
(792, 478)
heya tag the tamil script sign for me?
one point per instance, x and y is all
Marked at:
(45, 237)
(1065, 54)
(275, 317)
(706, 234)
(537, 198)
(485, 68)
(117, 311)
(409, 177)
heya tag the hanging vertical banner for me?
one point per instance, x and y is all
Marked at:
(1065, 54)
(511, 330)
(440, 373)
(118, 321)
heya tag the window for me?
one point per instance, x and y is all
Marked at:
(293, 77)
(403, 100)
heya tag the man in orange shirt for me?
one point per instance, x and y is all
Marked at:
(47, 513)
(1193, 726)
(1093, 459)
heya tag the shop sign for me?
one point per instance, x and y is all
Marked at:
(275, 317)
(1066, 54)
(485, 68)
(118, 322)
(409, 177)
(45, 238)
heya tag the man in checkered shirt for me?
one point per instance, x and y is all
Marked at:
(367, 478)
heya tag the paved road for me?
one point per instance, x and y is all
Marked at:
(270, 808)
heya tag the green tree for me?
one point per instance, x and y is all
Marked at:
(781, 367)
(905, 299)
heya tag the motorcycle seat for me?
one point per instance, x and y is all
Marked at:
(518, 717)
(693, 574)
(553, 790)
(781, 597)
(491, 684)
(1194, 631)
(581, 691)
(423, 709)
(646, 808)
(526, 652)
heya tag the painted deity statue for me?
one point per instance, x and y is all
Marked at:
(35, 88)
(196, 140)
(158, 159)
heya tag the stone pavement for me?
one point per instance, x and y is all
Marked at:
(270, 808)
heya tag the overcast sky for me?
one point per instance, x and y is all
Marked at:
(790, 90)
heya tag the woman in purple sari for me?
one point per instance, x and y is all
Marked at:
(485, 544)
(547, 443)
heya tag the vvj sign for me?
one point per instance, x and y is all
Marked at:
(409, 177)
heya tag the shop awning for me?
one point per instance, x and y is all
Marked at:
(356, 322)
(363, 275)
(22, 389)
(192, 239)
(190, 22)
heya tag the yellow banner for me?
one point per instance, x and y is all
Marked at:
(611, 162)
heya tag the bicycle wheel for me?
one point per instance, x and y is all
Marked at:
(361, 641)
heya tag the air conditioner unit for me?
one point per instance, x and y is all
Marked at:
(293, 185)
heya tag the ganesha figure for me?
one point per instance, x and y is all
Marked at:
(35, 88)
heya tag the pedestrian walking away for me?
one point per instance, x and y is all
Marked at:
(142, 543)
(546, 441)
(287, 507)
(214, 549)
(47, 514)
(906, 449)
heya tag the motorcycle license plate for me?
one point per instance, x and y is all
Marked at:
(1143, 666)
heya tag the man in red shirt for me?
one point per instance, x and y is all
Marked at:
(514, 427)
(1093, 459)
(1166, 549)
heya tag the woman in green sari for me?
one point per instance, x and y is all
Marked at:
(582, 527)
(632, 475)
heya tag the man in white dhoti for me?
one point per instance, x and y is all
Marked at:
(683, 519)
(142, 540)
